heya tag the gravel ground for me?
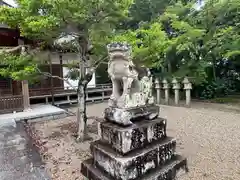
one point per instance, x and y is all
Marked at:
(209, 137)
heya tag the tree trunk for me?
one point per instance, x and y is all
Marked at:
(51, 72)
(85, 111)
(82, 117)
(81, 114)
(84, 79)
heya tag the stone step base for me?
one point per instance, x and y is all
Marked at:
(134, 164)
(135, 136)
(168, 172)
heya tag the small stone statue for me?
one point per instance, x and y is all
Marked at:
(132, 87)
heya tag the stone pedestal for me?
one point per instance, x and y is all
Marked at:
(141, 151)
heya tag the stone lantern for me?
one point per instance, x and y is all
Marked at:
(166, 89)
(176, 87)
(158, 89)
(187, 87)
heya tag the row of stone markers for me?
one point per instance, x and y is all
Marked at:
(187, 86)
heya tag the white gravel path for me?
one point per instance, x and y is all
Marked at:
(207, 134)
(210, 138)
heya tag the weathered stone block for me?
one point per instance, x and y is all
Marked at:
(134, 164)
(167, 172)
(125, 116)
(138, 135)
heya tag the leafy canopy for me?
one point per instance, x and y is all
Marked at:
(168, 40)
(178, 39)
(171, 36)
(89, 21)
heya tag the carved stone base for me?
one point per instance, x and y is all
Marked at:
(168, 172)
(139, 151)
(135, 136)
(135, 164)
(127, 115)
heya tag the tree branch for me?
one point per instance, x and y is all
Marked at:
(88, 76)
(12, 50)
(100, 61)
(19, 48)
(97, 16)
(47, 74)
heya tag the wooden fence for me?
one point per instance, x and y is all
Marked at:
(60, 90)
(5, 92)
(69, 96)
(9, 104)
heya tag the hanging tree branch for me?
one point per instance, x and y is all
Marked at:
(47, 74)
(84, 81)
(11, 50)
(87, 78)
(92, 69)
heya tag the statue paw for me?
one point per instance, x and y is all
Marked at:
(152, 116)
(119, 116)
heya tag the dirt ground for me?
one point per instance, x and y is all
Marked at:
(207, 134)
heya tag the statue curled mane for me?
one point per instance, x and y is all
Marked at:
(132, 85)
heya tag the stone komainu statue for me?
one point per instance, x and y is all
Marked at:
(141, 150)
(132, 87)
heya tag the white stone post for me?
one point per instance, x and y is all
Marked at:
(166, 89)
(103, 95)
(176, 87)
(25, 88)
(25, 93)
(46, 100)
(158, 90)
(187, 88)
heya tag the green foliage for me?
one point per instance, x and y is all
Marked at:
(147, 10)
(91, 22)
(143, 10)
(148, 44)
(170, 36)
(218, 88)
(180, 40)
(18, 67)
(44, 19)
(209, 90)
(169, 44)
